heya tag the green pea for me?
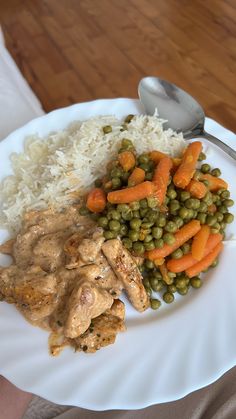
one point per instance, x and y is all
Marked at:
(207, 198)
(228, 218)
(180, 282)
(225, 194)
(114, 225)
(109, 235)
(116, 182)
(159, 286)
(126, 143)
(129, 118)
(191, 213)
(166, 200)
(182, 291)
(145, 167)
(196, 203)
(174, 205)
(183, 212)
(171, 288)
(206, 182)
(123, 230)
(178, 221)
(143, 212)
(219, 216)
(148, 291)
(171, 227)
(171, 193)
(152, 215)
(184, 195)
(143, 158)
(216, 172)
(149, 264)
(134, 206)
(197, 175)
(168, 297)
(114, 215)
(133, 235)
(148, 238)
(161, 221)
(189, 203)
(135, 223)
(211, 220)
(123, 207)
(139, 248)
(169, 238)
(136, 214)
(143, 203)
(146, 225)
(201, 217)
(202, 207)
(205, 168)
(149, 246)
(107, 129)
(84, 211)
(127, 215)
(202, 156)
(196, 282)
(157, 275)
(127, 243)
(185, 248)
(116, 172)
(177, 254)
(155, 303)
(228, 202)
(157, 232)
(152, 202)
(223, 209)
(103, 222)
(159, 243)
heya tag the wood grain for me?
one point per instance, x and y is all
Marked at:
(71, 51)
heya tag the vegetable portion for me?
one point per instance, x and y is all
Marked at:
(214, 183)
(205, 262)
(96, 200)
(197, 189)
(161, 178)
(134, 193)
(126, 160)
(200, 242)
(137, 176)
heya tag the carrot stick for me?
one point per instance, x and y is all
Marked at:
(181, 236)
(199, 242)
(215, 183)
(135, 193)
(186, 261)
(136, 177)
(126, 160)
(161, 178)
(196, 188)
(164, 273)
(205, 262)
(186, 170)
(96, 200)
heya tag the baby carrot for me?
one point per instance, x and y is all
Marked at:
(196, 188)
(161, 178)
(205, 262)
(186, 169)
(135, 193)
(199, 242)
(215, 183)
(136, 177)
(96, 200)
(181, 236)
(126, 160)
(186, 261)
(156, 156)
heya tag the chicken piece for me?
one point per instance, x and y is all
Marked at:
(85, 302)
(81, 251)
(22, 248)
(102, 330)
(127, 271)
(33, 291)
(48, 251)
(7, 247)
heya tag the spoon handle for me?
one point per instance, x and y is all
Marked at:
(228, 150)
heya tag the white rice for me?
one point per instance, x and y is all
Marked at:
(69, 161)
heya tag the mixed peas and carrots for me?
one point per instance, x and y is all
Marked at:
(172, 212)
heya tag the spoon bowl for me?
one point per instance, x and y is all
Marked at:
(182, 112)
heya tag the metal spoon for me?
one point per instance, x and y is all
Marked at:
(181, 110)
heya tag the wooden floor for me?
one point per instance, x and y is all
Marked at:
(76, 50)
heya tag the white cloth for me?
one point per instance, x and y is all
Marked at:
(18, 103)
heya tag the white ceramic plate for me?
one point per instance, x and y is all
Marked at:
(163, 355)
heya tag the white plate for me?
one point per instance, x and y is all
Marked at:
(163, 355)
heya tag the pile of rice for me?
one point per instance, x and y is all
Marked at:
(51, 168)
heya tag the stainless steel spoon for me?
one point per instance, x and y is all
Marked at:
(181, 110)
